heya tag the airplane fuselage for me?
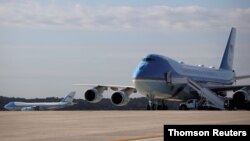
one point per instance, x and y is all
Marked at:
(25, 106)
(161, 77)
(17, 106)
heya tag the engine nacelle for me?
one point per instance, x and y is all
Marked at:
(120, 98)
(241, 96)
(93, 95)
(27, 109)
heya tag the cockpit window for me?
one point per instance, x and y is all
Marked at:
(148, 59)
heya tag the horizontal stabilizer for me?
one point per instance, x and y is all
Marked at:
(69, 97)
(242, 77)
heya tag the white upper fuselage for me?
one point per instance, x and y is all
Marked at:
(159, 76)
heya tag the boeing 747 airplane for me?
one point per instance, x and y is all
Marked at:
(160, 78)
(23, 106)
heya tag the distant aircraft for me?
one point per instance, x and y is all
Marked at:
(23, 106)
(160, 78)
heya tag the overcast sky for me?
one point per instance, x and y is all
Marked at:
(46, 46)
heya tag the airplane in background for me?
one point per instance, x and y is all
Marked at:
(160, 78)
(23, 106)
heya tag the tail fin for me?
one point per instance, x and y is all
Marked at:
(69, 97)
(227, 60)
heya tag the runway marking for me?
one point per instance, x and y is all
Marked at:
(140, 137)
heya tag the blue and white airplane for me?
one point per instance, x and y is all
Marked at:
(23, 106)
(159, 78)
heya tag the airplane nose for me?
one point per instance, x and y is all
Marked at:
(6, 107)
(138, 72)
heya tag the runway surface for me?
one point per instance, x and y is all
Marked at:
(105, 125)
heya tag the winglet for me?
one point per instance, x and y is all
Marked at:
(227, 60)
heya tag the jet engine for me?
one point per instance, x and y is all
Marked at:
(121, 98)
(27, 109)
(241, 96)
(240, 100)
(32, 108)
(94, 95)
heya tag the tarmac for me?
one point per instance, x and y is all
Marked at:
(105, 125)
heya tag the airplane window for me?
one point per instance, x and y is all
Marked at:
(148, 59)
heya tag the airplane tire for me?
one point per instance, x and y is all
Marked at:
(159, 107)
(162, 107)
(154, 107)
(37, 108)
(183, 107)
(148, 107)
(165, 107)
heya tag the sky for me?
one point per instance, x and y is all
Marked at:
(48, 45)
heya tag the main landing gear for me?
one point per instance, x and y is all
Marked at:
(157, 104)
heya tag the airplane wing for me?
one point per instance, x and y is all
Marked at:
(232, 87)
(242, 77)
(119, 98)
(228, 88)
(112, 87)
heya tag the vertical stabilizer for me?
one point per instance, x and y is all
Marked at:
(69, 97)
(227, 60)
